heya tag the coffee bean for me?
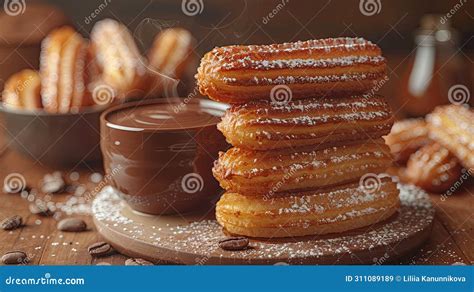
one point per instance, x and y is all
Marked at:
(137, 262)
(14, 258)
(72, 225)
(234, 243)
(100, 249)
(40, 209)
(53, 183)
(11, 222)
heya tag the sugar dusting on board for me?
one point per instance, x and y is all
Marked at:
(200, 238)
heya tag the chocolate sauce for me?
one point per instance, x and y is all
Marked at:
(165, 117)
(159, 154)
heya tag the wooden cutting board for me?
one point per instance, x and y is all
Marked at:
(193, 239)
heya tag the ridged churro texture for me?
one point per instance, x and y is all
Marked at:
(118, 59)
(265, 125)
(433, 168)
(172, 52)
(322, 211)
(406, 137)
(261, 172)
(334, 66)
(452, 127)
(22, 90)
(63, 71)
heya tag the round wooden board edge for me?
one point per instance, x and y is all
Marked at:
(378, 255)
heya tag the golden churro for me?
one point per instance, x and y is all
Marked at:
(63, 71)
(406, 137)
(336, 66)
(259, 172)
(120, 63)
(22, 90)
(265, 125)
(172, 52)
(433, 168)
(452, 127)
(328, 210)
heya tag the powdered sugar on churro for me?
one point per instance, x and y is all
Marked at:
(302, 79)
(319, 47)
(249, 63)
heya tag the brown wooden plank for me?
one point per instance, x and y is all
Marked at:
(34, 236)
(455, 213)
(66, 247)
(440, 249)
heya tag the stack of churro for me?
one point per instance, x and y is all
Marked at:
(308, 150)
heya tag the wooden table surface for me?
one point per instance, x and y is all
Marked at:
(452, 239)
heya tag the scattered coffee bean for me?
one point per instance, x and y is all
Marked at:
(234, 243)
(12, 222)
(53, 183)
(40, 209)
(100, 249)
(14, 258)
(72, 225)
(137, 262)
